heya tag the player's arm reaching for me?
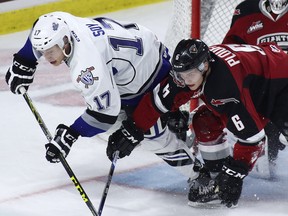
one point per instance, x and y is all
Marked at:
(165, 97)
(101, 96)
(56, 45)
(21, 73)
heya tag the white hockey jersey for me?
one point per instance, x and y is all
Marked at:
(112, 63)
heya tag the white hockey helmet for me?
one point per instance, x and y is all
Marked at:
(278, 6)
(48, 31)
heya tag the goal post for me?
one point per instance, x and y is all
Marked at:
(195, 33)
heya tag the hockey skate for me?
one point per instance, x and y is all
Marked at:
(203, 191)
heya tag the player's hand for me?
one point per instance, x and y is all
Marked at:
(124, 139)
(62, 142)
(20, 74)
(230, 181)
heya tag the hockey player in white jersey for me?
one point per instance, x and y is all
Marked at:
(113, 64)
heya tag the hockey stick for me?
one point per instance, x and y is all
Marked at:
(110, 175)
(61, 157)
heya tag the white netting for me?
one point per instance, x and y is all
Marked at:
(180, 24)
(215, 25)
(216, 17)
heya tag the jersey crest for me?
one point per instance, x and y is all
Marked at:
(218, 102)
(237, 12)
(86, 77)
(255, 26)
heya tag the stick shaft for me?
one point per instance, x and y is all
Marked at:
(62, 159)
(106, 189)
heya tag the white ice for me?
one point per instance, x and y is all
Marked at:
(142, 184)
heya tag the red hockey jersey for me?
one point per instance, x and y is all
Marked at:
(247, 86)
(253, 23)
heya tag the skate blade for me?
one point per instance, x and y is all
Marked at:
(211, 204)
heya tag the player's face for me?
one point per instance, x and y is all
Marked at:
(192, 78)
(54, 55)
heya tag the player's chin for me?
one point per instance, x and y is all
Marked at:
(55, 63)
(192, 87)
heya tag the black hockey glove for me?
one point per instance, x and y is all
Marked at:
(62, 142)
(124, 139)
(177, 122)
(20, 74)
(230, 181)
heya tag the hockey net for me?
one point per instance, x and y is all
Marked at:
(214, 20)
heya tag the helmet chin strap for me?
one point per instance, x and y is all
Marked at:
(201, 87)
(206, 73)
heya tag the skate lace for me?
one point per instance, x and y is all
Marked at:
(207, 189)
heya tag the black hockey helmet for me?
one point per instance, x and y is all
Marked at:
(189, 54)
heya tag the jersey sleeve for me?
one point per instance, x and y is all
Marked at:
(96, 84)
(234, 34)
(28, 52)
(165, 97)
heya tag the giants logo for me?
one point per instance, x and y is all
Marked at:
(279, 38)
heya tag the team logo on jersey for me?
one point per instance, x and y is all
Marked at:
(275, 48)
(55, 26)
(237, 12)
(255, 27)
(86, 77)
(281, 38)
(218, 102)
(193, 49)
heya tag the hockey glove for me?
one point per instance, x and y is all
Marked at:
(230, 181)
(177, 122)
(20, 74)
(62, 142)
(124, 139)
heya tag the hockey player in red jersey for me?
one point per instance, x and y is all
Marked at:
(244, 85)
(261, 21)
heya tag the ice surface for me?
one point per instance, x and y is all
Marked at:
(142, 185)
